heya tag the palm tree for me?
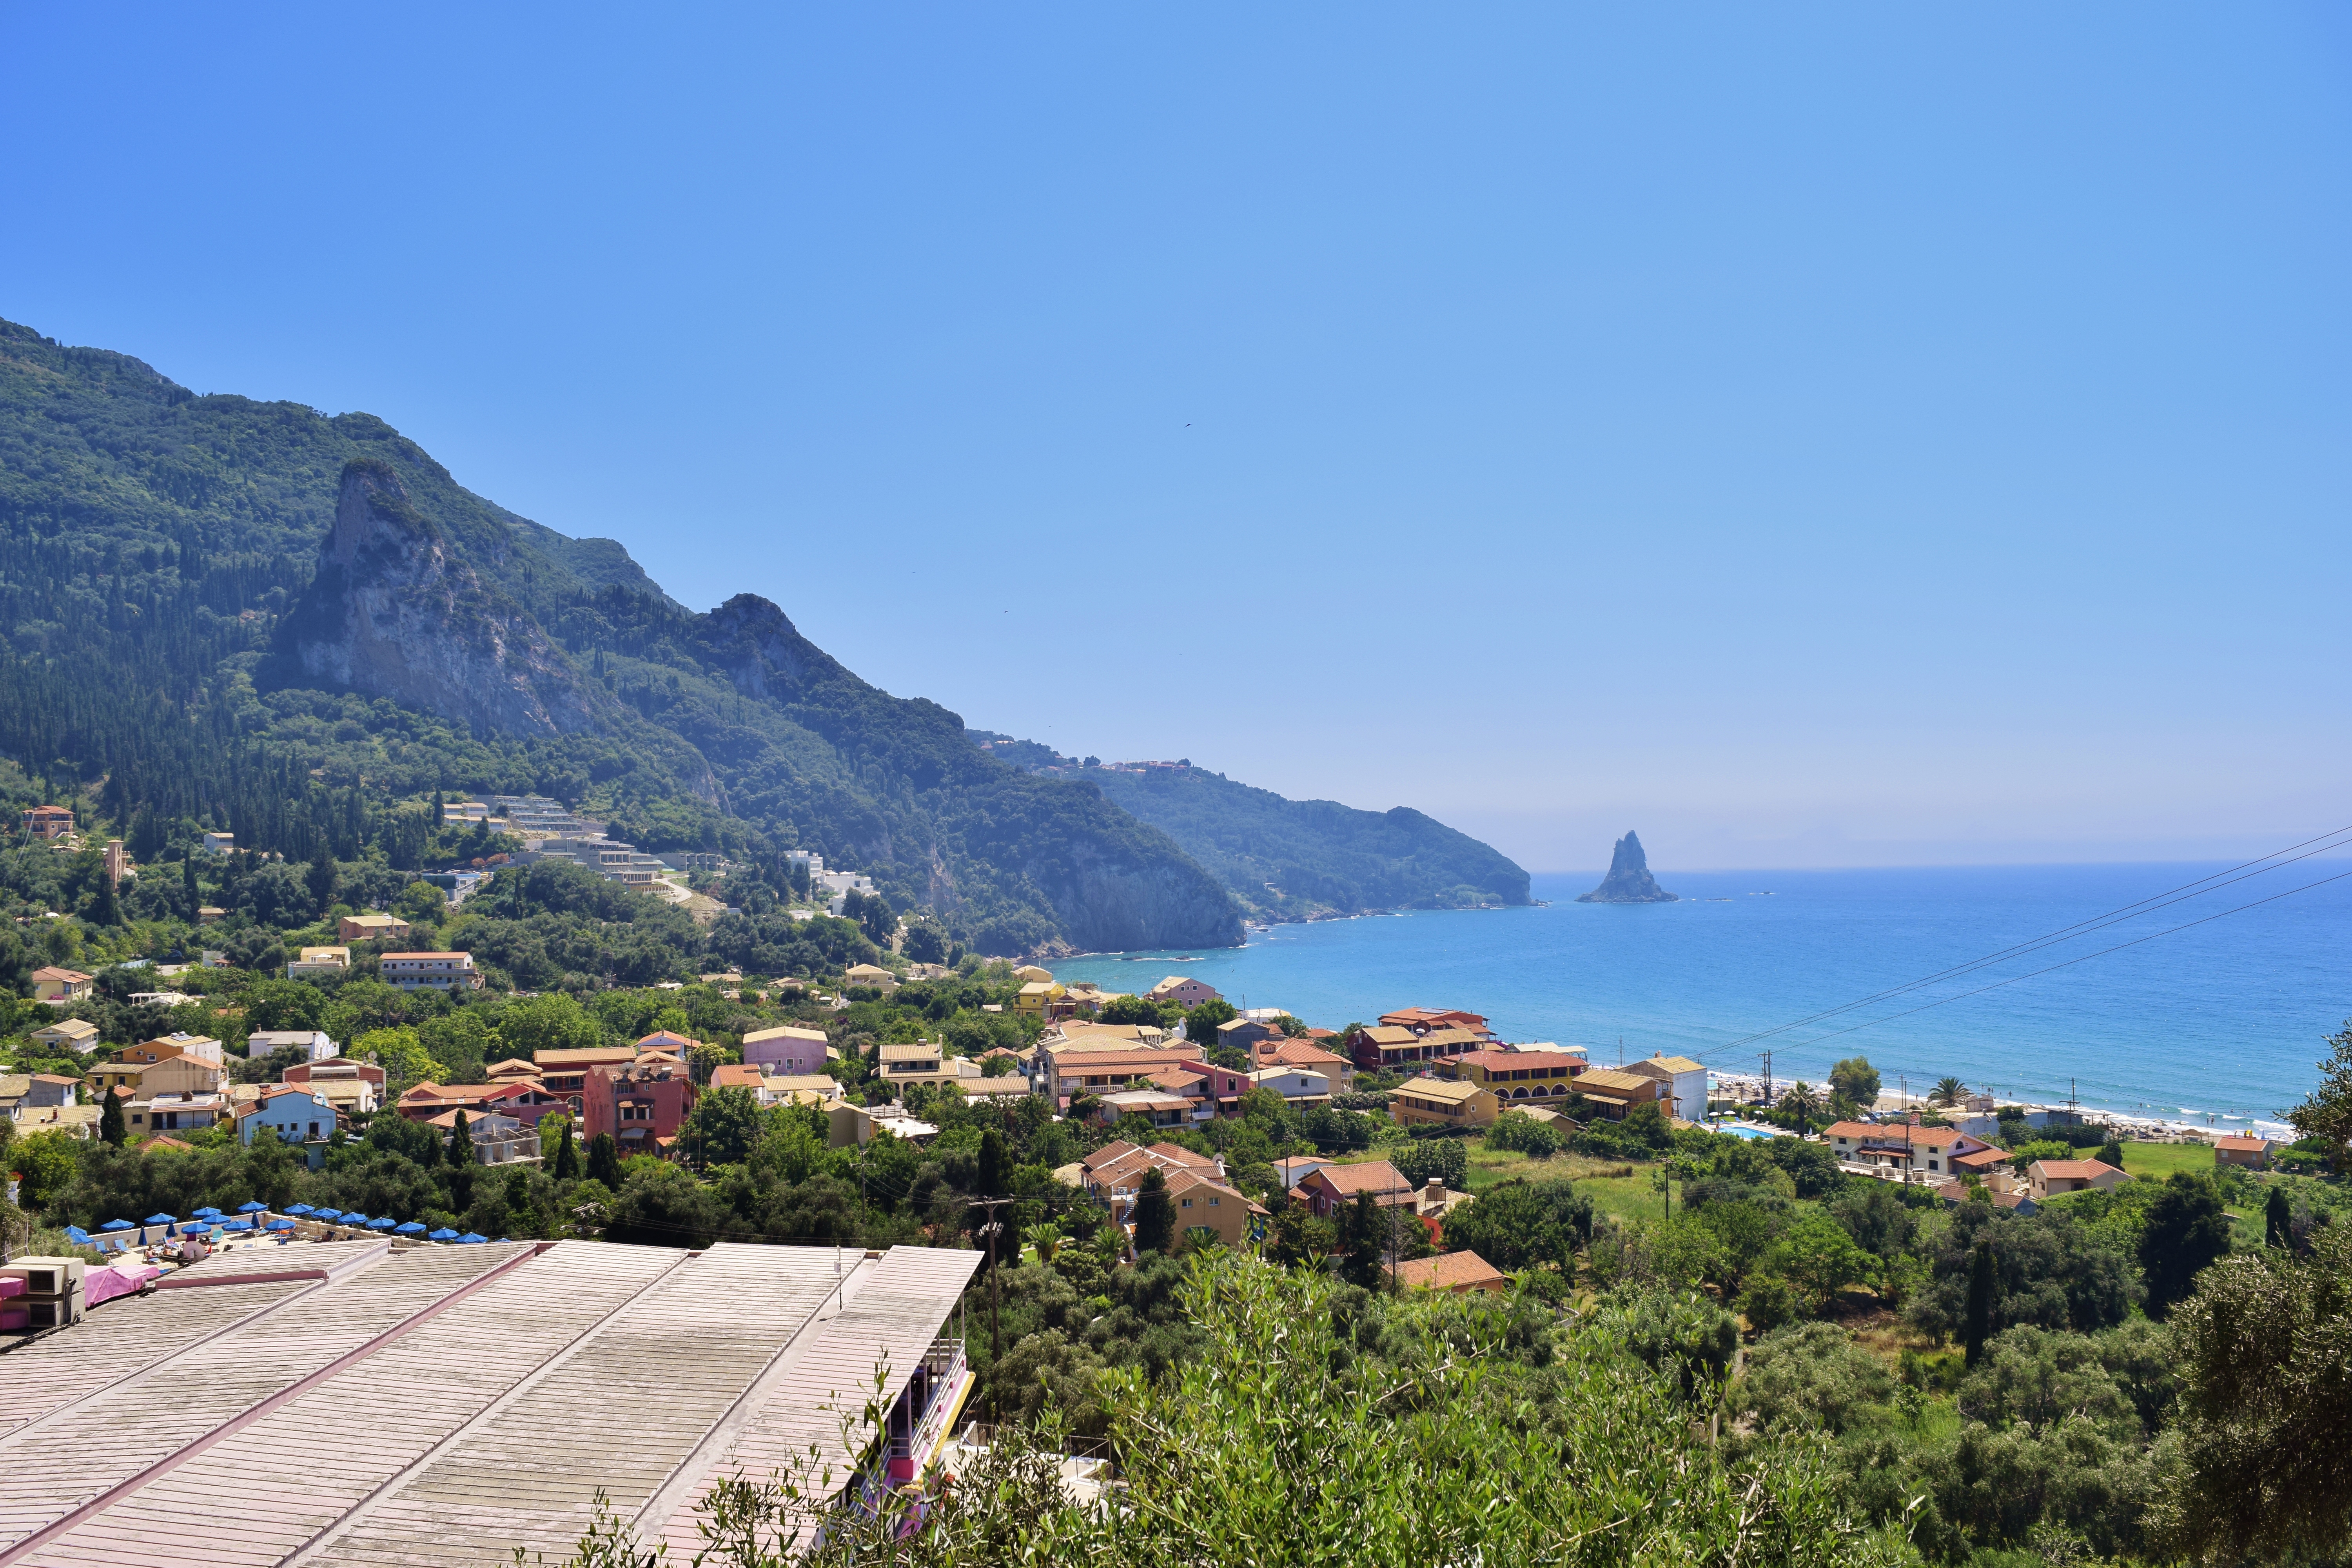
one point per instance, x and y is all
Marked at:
(1800, 1099)
(1948, 1092)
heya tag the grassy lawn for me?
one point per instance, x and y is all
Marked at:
(2160, 1159)
(1626, 1196)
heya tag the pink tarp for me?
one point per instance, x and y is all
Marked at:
(118, 1280)
(12, 1287)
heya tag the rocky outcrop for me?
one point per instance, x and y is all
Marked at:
(1629, 880)
(394, 612)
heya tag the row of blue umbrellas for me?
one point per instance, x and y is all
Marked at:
(209, 1218)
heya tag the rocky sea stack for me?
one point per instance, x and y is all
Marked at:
(1629, 880)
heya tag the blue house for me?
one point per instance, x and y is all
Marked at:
(295, 1114)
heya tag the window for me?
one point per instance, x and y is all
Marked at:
(1213, 1202)
(1188, 1203)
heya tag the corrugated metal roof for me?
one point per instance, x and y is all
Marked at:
(442, 1404)
(299, 1471)
(80, 1454)
(629, 1406)
(884, 1330)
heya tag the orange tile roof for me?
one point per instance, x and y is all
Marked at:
(1498, 1060)
(2242, 1144)
(1450, 1271)
(1374, 1176)
(2074, 1170)
(736, 1075)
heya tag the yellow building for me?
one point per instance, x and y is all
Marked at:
(1444, 1103)
(1036, 996)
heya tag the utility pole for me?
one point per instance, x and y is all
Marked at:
(1767, 1077)
(991, 1230)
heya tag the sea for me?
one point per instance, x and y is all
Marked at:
(2149, 991)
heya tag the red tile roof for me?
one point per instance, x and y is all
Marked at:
(1496, 1060)
(1450, 1271)
(2074, 1170)
(2241, 1146)
(1376, 1177)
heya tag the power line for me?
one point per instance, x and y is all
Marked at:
(2085, 958)
(2214, 882)
(2146, 906)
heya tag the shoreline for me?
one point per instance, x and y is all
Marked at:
(2172, 1128)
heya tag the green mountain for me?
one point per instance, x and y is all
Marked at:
(1291, 860)
(252, 615)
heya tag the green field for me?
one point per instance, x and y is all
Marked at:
(2160, 1159)
(1628, 1197)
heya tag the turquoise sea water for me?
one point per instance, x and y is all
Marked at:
(2224, 1020)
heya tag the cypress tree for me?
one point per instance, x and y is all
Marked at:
(109, 1120)
(440, 809)
(1155, 1214)
(105, 908)
(2277, 1222)
(567, 1158)
(991, 1164)
(1979, 1318)
(604, 1160)
(461, 1143)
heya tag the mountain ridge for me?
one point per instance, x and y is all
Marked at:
(309, 610)
(1294, 859)
(155, 539)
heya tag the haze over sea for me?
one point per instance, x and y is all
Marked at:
(2224, 1020)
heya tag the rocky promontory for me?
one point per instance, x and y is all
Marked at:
(1629, 880)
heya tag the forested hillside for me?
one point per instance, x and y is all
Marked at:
(168, 632)
(1293, 860)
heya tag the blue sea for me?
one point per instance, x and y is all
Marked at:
(2222, 1022)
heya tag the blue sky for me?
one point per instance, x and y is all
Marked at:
(1812, 434)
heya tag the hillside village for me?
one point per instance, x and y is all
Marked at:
(1093, 1157)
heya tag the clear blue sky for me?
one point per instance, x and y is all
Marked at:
(1812, 434)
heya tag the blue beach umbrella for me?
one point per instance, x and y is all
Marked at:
(411, 1228)
(161, 1219)
(469, 1237)
(326, 1214)
(279, 1225)
(75, 1234)
(355, 1218)
(208, 1212)
(237, 1224)
(257, 1207)
(116, 1225)
(444, 1233)
(382, 1222)
(299, 1208)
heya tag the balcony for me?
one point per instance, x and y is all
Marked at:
(917, 1425)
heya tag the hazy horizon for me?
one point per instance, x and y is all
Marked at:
(1829, 438)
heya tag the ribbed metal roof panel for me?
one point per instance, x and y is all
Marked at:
(328, 1453)
(620, 1414)
(76, 1455)
(865, 1355)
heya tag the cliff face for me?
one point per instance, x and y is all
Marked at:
(1629, 880)
(393, 613)
(995, 835)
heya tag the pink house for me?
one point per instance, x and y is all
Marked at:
(1184, 991)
